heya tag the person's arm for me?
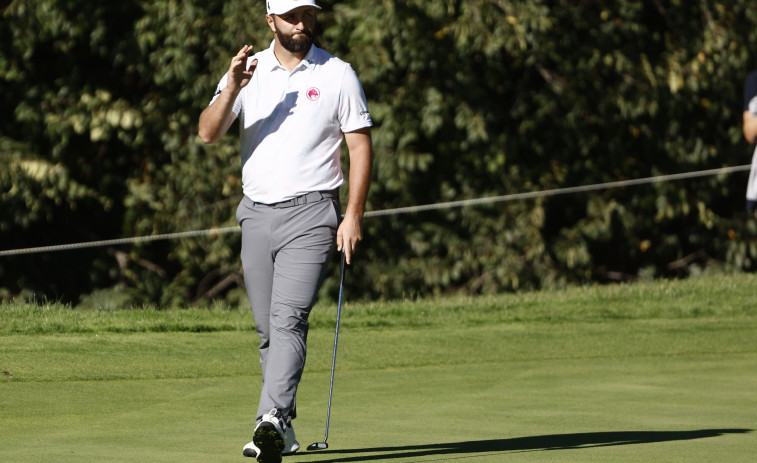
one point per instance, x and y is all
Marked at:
(361, 162)
(750, 127)
(216, 119)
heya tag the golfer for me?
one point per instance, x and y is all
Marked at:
(295, 104)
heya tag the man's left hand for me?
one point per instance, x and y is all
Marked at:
(348, 235)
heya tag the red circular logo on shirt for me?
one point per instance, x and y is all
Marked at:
(313, 94)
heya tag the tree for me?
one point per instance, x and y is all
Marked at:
(470, 98)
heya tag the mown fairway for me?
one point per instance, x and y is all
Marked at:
(650, 372)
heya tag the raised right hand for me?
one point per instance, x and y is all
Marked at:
(239, 74)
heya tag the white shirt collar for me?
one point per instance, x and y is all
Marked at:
(308, 61)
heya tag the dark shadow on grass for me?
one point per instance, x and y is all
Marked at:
(520, 444)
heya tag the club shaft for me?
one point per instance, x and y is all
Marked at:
(336, 343)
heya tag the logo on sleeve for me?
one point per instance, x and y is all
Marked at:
(313, 94)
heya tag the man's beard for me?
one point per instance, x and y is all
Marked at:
(299, 45)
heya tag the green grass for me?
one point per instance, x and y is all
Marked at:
(662, 371)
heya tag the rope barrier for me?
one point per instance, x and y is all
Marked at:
(115, 242)
(396, 211)
(557, 191)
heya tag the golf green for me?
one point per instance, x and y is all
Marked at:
(556, 378)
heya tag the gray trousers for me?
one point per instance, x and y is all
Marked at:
(285, 251)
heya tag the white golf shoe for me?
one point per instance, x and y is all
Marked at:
(272, 439)
(251, 450)
(290, 443)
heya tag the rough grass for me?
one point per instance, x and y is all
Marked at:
(721, 296)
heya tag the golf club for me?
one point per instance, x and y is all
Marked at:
(323, 445)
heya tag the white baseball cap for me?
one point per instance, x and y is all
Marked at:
(283, 6)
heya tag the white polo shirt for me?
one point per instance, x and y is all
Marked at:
(292, 124)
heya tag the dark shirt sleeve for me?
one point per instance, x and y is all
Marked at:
(750, 89)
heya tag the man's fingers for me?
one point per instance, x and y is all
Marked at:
(241, 56)
(343, 245)
(239, 72)
(347, 237)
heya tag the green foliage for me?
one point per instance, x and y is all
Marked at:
(470, 98)
(490, 98)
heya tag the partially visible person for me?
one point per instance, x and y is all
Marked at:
(749, 127)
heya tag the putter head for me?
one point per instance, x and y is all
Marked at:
(318, 446)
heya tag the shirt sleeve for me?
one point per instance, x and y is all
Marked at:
(353, 107)
(750, 90)
(221, 85)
